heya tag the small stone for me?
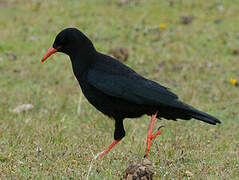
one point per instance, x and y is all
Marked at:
(127, 2)
(189, 174)
(209, 64)
(32, 38)
(123, 2)
(220, 7)
(1, 59)
(38, 149)
(22, 108)
(44, 111)
(11, 56)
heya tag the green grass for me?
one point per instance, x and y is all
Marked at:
(196, 61)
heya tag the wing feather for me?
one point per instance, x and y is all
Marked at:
(132, 87)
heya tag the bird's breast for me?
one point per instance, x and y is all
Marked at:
(112, 106)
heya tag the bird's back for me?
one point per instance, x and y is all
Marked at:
(118, 91)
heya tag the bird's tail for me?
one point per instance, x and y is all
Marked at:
(194, 113)
(180, 110)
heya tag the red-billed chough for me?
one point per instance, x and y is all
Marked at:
(118, 91)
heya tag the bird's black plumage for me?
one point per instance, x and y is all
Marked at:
(118, 91)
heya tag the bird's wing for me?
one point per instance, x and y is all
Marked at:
(132, 87)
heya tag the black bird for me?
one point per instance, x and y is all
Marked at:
(118, 91)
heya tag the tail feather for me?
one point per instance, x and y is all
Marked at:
(202, 115)
(184, 111)
(208, 119)
(191, 112)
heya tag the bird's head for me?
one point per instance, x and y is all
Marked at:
(69, 41)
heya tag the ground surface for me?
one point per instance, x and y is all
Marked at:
(56, 140)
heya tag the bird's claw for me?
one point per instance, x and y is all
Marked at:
(160, 127)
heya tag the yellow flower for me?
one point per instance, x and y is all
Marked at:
(162, 26)
(233, 81)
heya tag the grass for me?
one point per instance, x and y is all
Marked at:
(196, 61)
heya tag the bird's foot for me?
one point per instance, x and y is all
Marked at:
(158, 132)
(109, 148)
(151, 136)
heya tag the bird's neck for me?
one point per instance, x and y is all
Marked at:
(81, 62)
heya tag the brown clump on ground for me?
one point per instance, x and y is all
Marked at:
(139, 171)
(120, 53)
(186, 19)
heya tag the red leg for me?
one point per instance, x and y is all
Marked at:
(149, 135)
(109, 148)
